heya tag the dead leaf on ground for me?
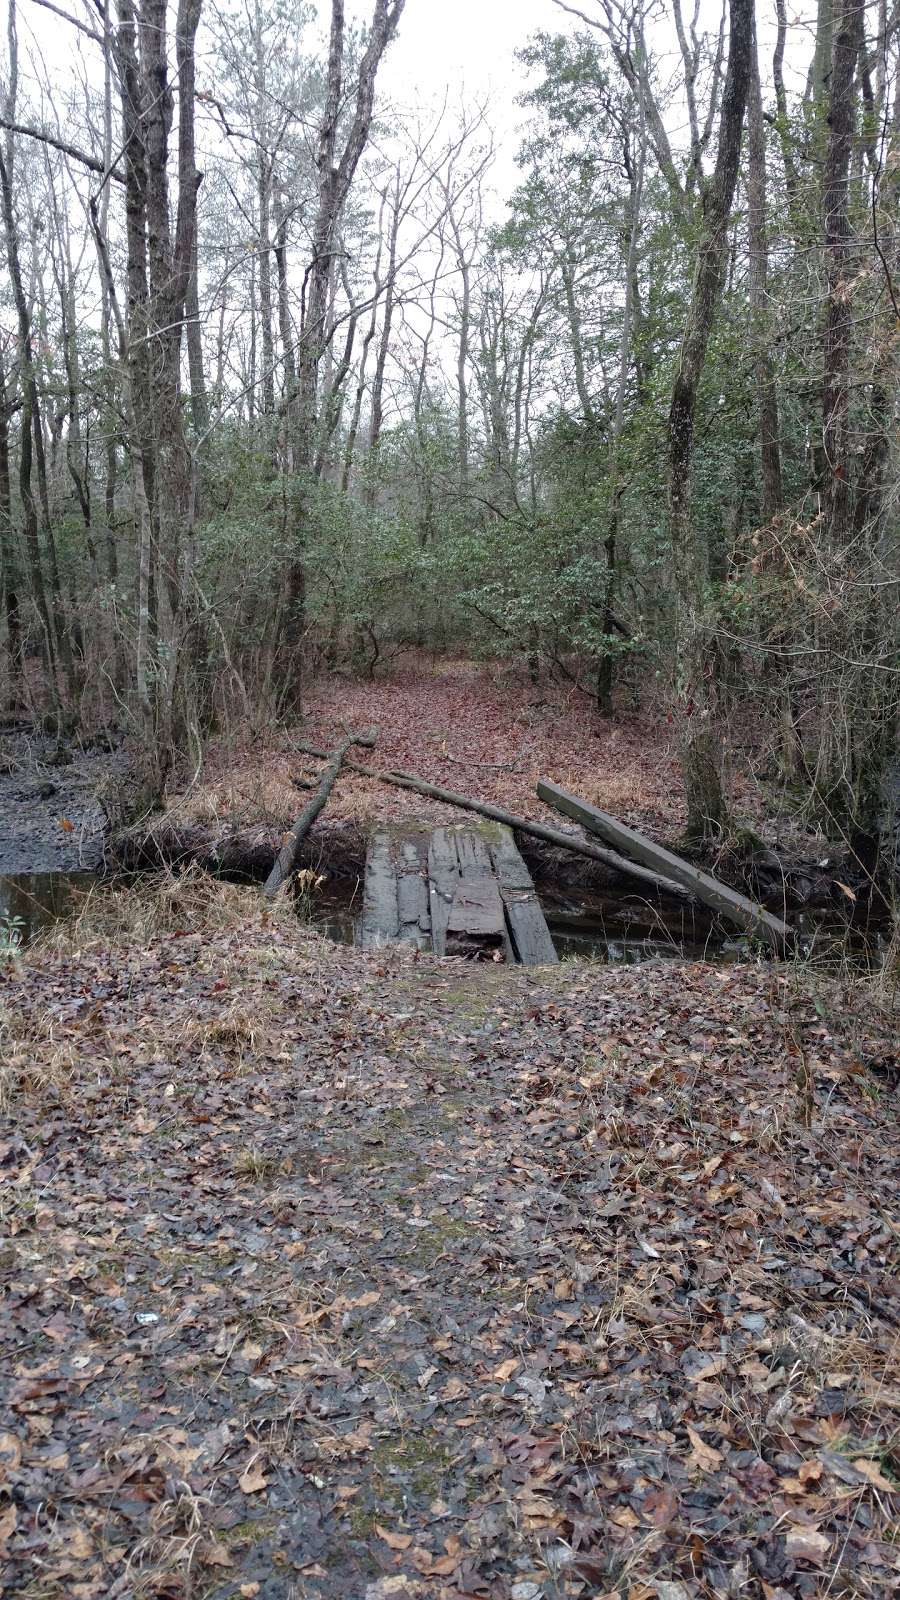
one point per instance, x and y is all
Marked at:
(253, 1479)
(805, 1544)
(702, 1454)
(396, 1541)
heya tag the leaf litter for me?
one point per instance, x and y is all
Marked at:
(375, 1276)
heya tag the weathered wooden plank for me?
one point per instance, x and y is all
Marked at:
(752, 919)
(381, 917)
(474, 855)
(477, 907)
(443, 877)
(456, 887)
(531, 939)
(477, 921)
(412, 891)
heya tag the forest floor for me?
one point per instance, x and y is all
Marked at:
(381, 1278)
(482, 731)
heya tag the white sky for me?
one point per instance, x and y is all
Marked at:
(469, 43)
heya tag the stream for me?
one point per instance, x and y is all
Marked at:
(606, 928)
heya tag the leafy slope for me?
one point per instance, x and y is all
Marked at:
(341, 1276)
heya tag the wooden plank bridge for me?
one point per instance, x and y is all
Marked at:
(461, 890)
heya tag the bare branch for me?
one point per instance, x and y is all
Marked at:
(93, 163)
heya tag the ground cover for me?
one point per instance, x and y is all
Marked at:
(333, 1275)
(483, 731)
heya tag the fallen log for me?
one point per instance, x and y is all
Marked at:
(750, 918)
(539, 830)
(286, 859)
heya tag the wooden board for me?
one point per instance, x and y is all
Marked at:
(443, 877)
(381, 917)
(752, 919)
(458, 890)
(531, 941)
(414, 913)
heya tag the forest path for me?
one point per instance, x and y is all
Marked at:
(333, 1275)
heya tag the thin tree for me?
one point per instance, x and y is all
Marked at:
(695, 611)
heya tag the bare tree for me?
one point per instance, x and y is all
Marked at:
(335, 172)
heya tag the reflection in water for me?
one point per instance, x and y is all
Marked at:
(30, 901)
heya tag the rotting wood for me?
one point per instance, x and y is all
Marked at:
(381, 914)
(413, 908)
(539, 830)
(528, 929)
(287, 855)
(477, 921)
(744, 914)
(461, 890)
(443, 877)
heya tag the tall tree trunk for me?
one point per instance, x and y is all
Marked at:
(335, 173)
(766, 392)
(836, 233)
(605, 671)
(267, 337)
(8, 563)
(377, 401)
(695, 611)
(26, 435)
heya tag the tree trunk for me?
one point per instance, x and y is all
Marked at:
(605, 672)
(335, 176)
(8, 563)
(695, 610)
(836, 495)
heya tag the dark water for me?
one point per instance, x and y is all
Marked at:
(30, 901)
(625, 929)
(601, 928)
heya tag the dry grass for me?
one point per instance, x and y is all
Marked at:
(169, 902)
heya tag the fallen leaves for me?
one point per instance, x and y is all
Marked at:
(395, 1541)
(602, 1343)
(703, 1455)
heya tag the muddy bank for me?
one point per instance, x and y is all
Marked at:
(335, 850)
(56, 798)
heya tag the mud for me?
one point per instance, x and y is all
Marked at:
(54, 799)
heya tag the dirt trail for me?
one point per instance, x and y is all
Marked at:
(342, 1276)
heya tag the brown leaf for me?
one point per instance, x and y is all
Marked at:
(79, 1545)
(702, 1454)
(214, 1554)
(8, 1519)
(805, 1544)
(252, 1479)
(505, 1369)
(876, 1477)
(396, 1541)
(10, 1455)
(710, 1368)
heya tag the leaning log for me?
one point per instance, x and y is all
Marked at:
(742, 913)
(539, 830)
(287, 856)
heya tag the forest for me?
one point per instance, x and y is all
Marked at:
(449, 799)
(287, 392)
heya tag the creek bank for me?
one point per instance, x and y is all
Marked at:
(781, 881)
